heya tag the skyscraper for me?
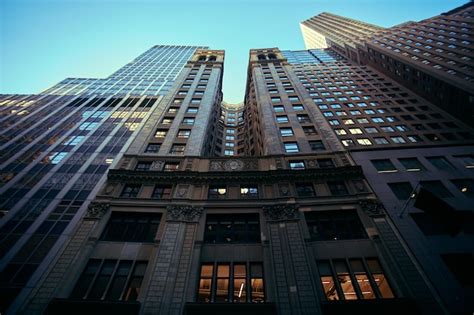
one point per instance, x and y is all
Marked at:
(56, 148)
(310, 197)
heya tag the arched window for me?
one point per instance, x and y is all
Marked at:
(272, 56)
(261, 57)
(202, 58)
(212, 58)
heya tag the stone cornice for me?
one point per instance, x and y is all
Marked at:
(333, 173)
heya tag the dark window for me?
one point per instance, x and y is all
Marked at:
(238, 282)
(334, 225)
(309, 131)
(325, 163)
(317, 145)
(384, 166)
(217, 192)
(249, 191)
(131, 227)
(440, 163)
(460, 264)
(412, 164)
(232, 228)
(162, 192)
(177, 149)
(303, 118)
(402, 190)
(110, 279)
(143, 166)
(337, 188)
(304, 189)
(153, 148)
(131, 191)
(437, 188)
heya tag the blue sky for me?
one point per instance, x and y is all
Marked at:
(45, 41)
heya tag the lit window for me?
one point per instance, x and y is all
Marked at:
(217, 192)
(297, 165)
(282, 119)
(184, 133)
(160, 133)
(171, 166)
(286, 132)
(188, 121)
(355, 131)
(291, 147)
(249, 191)
(364, 141)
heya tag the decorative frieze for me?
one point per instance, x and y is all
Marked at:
(372, 207)
(184, 213)
(96, 210)
(281, 212)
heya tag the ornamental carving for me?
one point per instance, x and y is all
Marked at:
(96, 210)
(233, 165)
(216, 166)
(251, 164)
(372, 207)
(281, 212)
(156, 166)
(184, 213)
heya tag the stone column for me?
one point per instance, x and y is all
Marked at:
(295, 289)
(167, 286)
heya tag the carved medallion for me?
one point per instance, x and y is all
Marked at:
(233, 165)
(157, 165)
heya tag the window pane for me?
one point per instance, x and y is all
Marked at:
(222, 288)
(344, 280)
(204, 294)
(120, 278)
(329, 288)
(240, 283)
(102, 280)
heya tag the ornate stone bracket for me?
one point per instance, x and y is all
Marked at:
(281, 212)
(372, 207)
(184, 213)
(96, 210)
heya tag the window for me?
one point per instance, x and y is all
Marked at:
(305, 190)
(298, 107)
(302, 118)
(184, 133)
(282, 119)
(217, 192)
(325, 163)
(171, 166)
(276, 99)
(177, 148)
(131, 191)
(412, 164)
(167, 121)
(384, 166)
(337, 188)
(355, 131)
(440, 163)
(143, 166)
(192, 110)
(398, 140)
(466, 160)
(232, 228)
(334, 225)
(153, 148)
(110, 279)
(381, 140)
(291, 147)
(317, 145)
(160, 133)
(249, 191)
(131, 227)
(309, 131)
(161, 192)
(278, 109)
(437, 188)
(465, 186)
(402, 190)
(286, 132)
(365, 279)
(297, 165)
(229, 282)
(188, 121)
(228, 152)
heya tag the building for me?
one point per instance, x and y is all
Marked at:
(55, 150)
(432, 57)
(300, 200)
